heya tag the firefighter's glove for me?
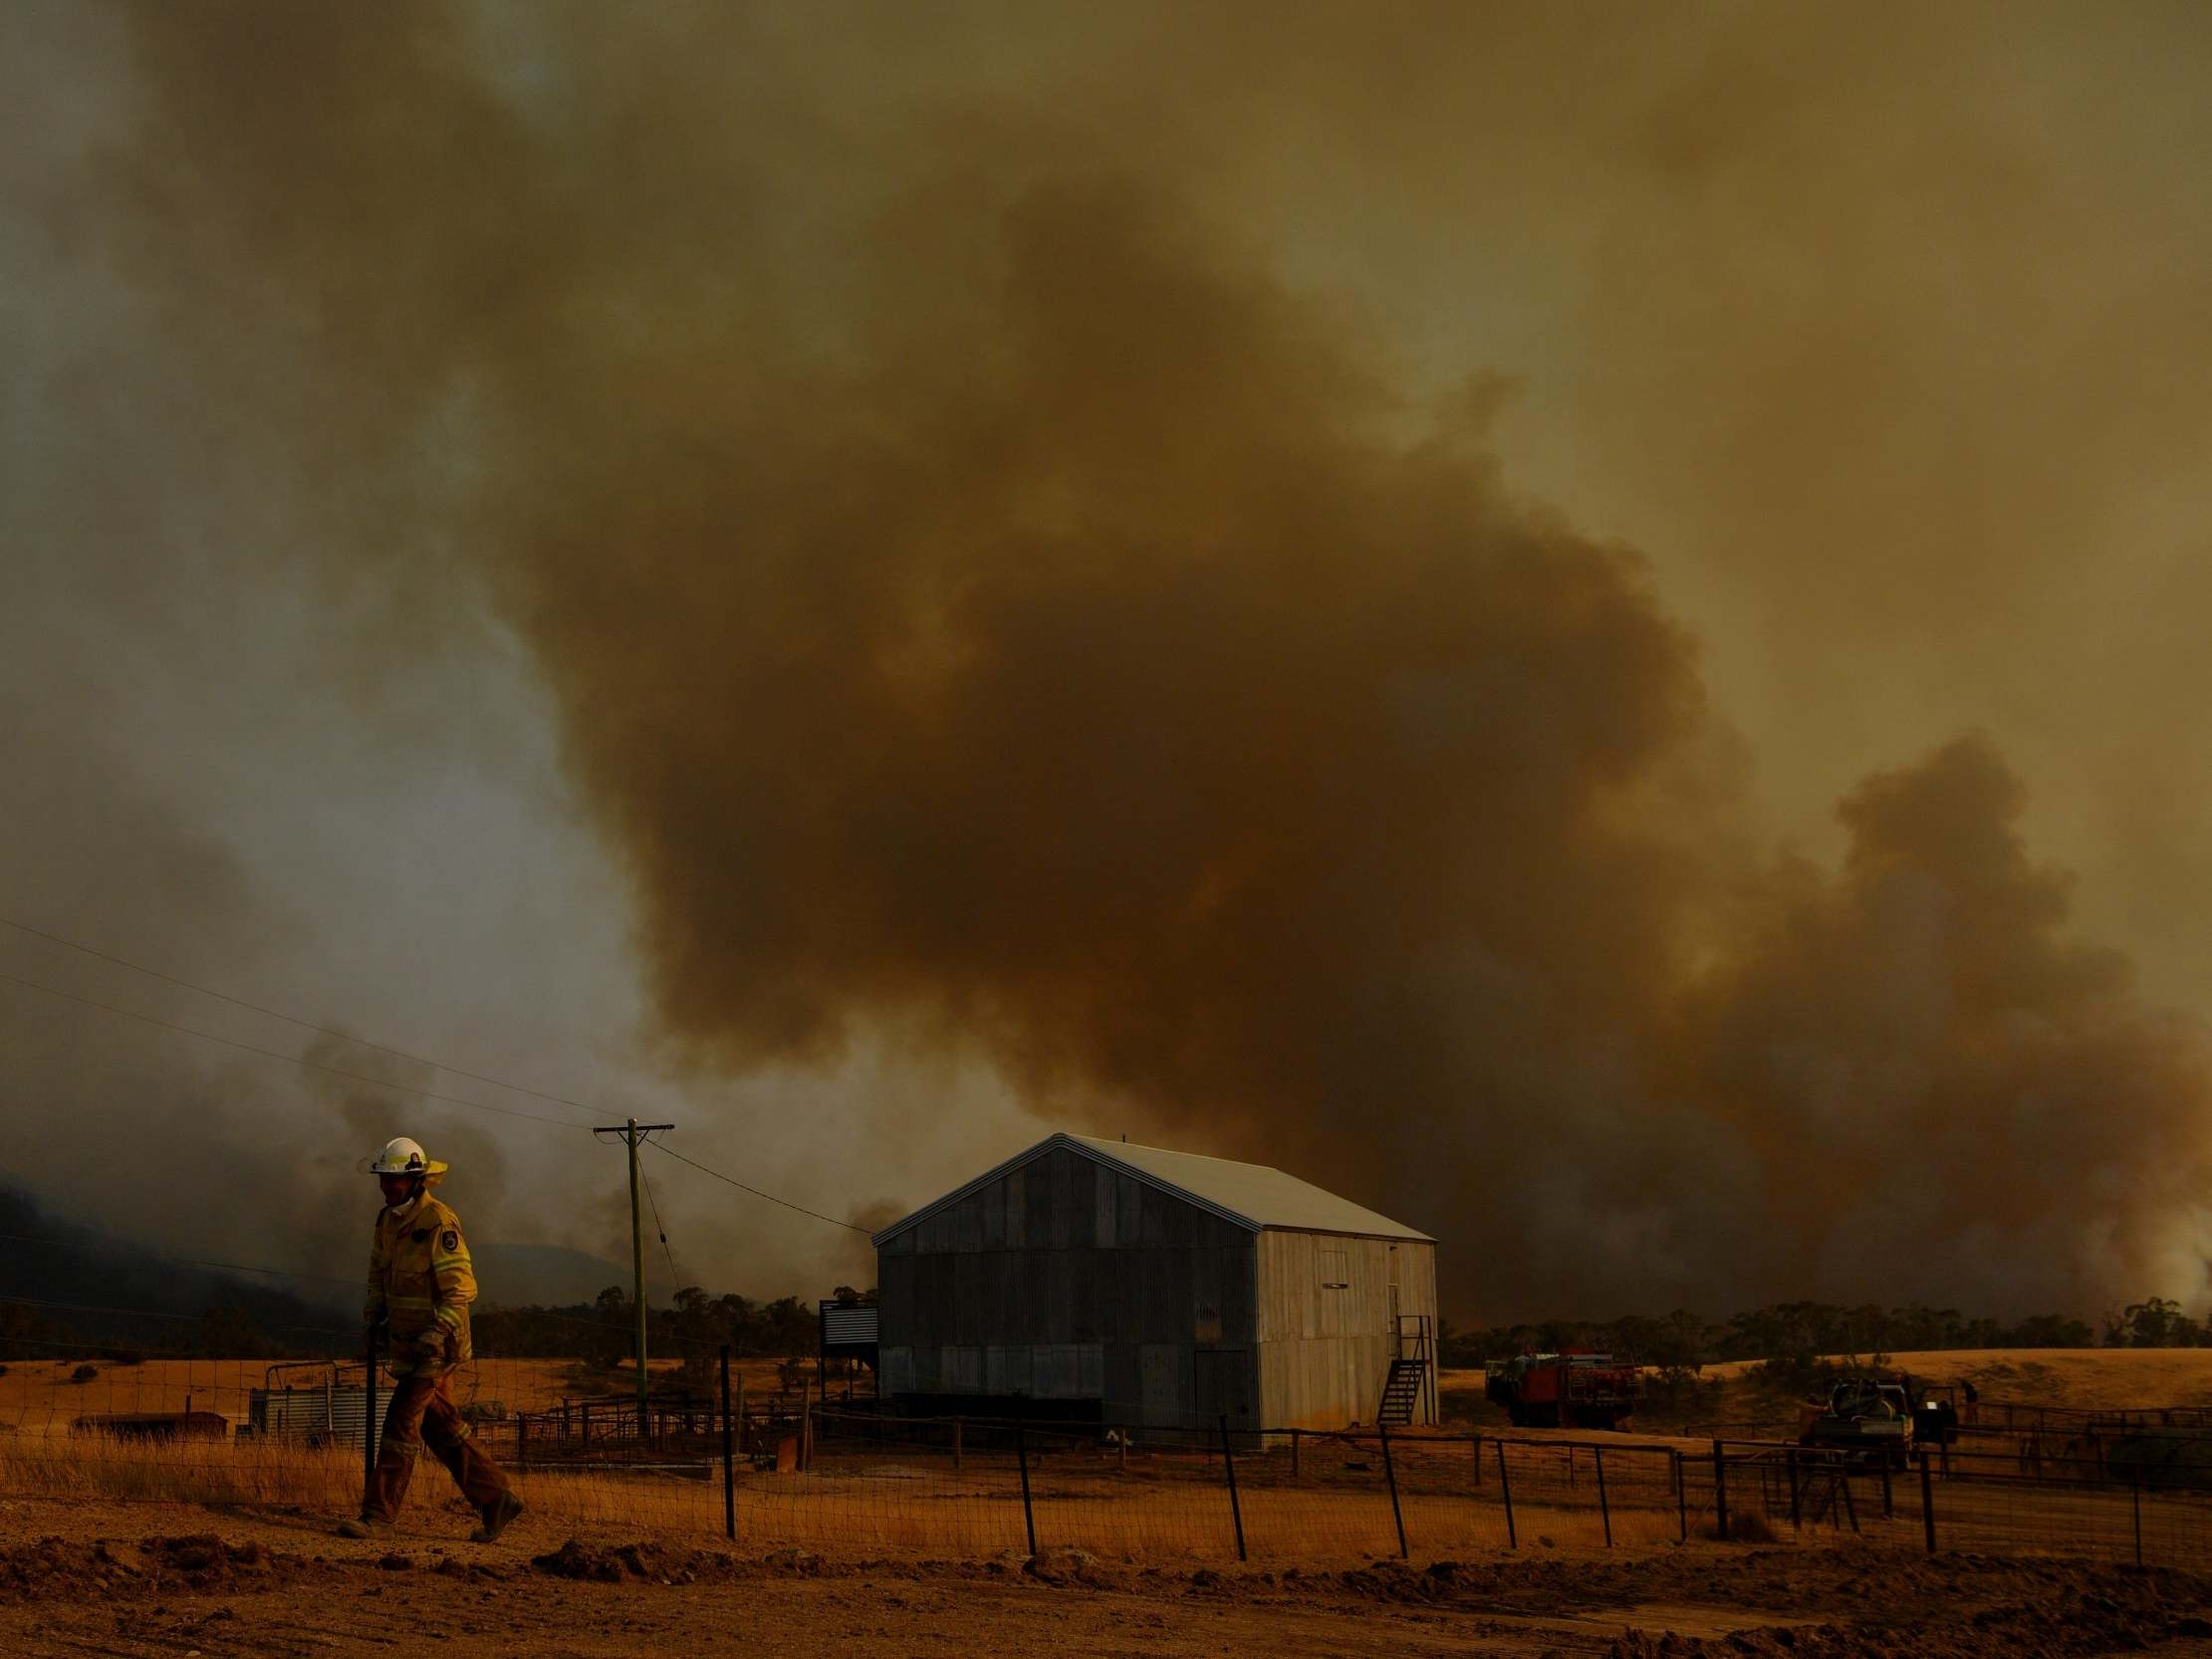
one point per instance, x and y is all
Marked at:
(430, 1346)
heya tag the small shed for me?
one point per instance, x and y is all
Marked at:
(1091, 1280)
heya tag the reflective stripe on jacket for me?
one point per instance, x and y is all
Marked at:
(420, 1282)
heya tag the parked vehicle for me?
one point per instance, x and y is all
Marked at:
(1561, 1391)
(1866, 1415)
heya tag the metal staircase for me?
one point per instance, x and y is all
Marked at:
(1402, 1393)
(1408, 1392)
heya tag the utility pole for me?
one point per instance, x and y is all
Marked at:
(632, 1132)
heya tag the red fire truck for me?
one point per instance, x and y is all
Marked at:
(1559, 1391)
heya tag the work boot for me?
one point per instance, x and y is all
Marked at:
(497, 1516)
(364, 1526)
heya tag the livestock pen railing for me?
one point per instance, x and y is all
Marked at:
(780, 1470)
(2010, 1416)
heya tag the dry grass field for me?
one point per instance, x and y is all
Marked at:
(40, 1396)
(2080, 1379)
(1333, 1504)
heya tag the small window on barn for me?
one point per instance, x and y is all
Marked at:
(1333, 1276)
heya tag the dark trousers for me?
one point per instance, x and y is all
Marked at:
(422, 1412)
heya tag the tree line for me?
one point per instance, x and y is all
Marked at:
(1800, 1331)
(696, 1324)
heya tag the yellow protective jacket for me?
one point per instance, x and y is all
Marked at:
(420, 1282)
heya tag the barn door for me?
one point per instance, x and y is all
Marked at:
(1393, 1299)
(1223, 1378)
(1161, 1383)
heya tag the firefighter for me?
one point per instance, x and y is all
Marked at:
(420, 1284)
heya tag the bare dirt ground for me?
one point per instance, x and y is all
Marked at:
(179, 1581)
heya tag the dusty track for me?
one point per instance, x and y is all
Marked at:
(175, 1581)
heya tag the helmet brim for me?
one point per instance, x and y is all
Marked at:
(430, 1170)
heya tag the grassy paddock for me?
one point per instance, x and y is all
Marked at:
(1158, 1503)
(852, 1505)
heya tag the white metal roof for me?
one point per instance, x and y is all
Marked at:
(1249, 1195)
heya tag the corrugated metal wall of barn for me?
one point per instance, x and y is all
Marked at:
(1065, 1280)
(1327, 1326)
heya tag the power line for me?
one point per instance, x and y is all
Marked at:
(755, 1191)
(674, 1278)
(294, 1019)
(360, 1077)
(289, 1059)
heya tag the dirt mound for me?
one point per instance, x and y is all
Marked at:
(204, 1562)
(650, 1563)
(1072, 1566)
(577, 1559)
(1383, 1580)
(198, 1562)
(2097, 1612)
(44, 1568)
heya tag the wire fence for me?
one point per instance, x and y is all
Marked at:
(2146, 1499)
(782, 1468)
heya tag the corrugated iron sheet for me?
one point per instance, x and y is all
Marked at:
(1251, 1196)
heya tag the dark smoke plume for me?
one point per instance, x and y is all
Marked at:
(992, 605)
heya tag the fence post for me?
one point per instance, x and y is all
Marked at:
(1927, 1500)
(1390, 1475)
(956, 1445)
(522, 1441)
(1604, 1510)
(1478, 1460)
(1797, 1514)
(741, 1438)
(368, 1411)
(729, 1456)
(1229, 1463)
(2135, 1497)
(1681, 1500)
(1021, 1453)
(1504, 1485)
(1720, 1490)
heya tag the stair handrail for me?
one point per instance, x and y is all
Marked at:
(1412, 1342)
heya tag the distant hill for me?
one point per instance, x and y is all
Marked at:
(60, 1279)
(550, 1275)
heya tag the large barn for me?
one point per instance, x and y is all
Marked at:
(1093, 1280)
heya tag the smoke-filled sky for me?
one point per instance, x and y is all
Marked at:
(1580, 622)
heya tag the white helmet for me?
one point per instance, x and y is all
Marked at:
(403, 1156)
